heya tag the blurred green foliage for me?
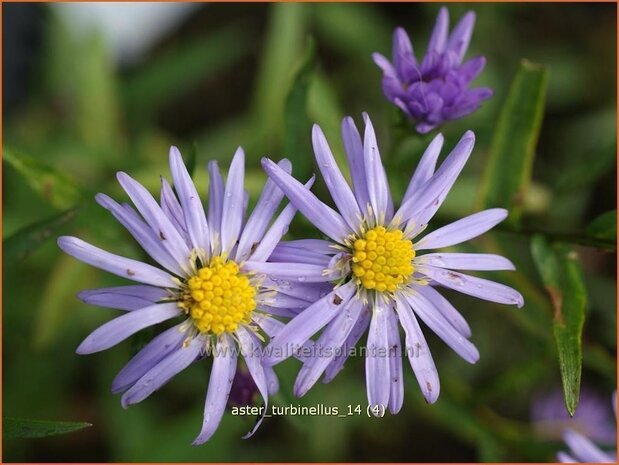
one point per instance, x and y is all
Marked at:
(248, 75)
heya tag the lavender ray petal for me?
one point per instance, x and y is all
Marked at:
(251, 350)
(244, 212)
(278, 229)
(462, 230)
(377, 363)
(260, 218)
(334, 179)
(584, 449)
(438, 39)
(215, 204)
(323, 217)
(404, 60)
(471, 69)
(193, 211)
(392, 86)
(301, 272)
(353, 146)
(141, 232)
(476, 287)
(150, 355)
(115, 264)
(172, 209)
(123, 297)
(283, 312)
(396, 393)
(426, 166)
(162, 372)
(310, 292)
(378, 187)
(448, 311)
(460, 36)
(272, 328)
(220, 383)
(440, 182)
(333, 337)
(385, 65)
(419, 223)
(311, 245)
(280, 300)
(564, 457)
(357, 331)
(171, 239)
(272, 381)
(418, 353)
(232, 215)
(466, 261)
(290, 255)
(306, 324)
(120, 328)
(432, 317)
(269, 325)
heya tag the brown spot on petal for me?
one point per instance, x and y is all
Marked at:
(130, 272)
(429, 386)
(162, 236)
(337, 299)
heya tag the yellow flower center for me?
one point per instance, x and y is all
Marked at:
(218, 297)
(382, 260)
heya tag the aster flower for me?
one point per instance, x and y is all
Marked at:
(199, 279)
(582, 449)
(381, 277)
(436, 89)
(592, 419)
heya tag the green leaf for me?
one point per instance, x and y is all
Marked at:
(13, 428)
(283, 42)
(297, 143)
(90, 96)
(22, 243)
(604, 226)
(507, 174)
(57, 298)
(561, 273)
(53, 186)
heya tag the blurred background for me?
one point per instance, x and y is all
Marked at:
(91, 89)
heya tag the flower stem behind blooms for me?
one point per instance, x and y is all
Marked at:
(384, 279)
(436, 89)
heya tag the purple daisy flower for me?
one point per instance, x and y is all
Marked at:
(582, 449)
(200, 278)
(381, 277)
(437, 89)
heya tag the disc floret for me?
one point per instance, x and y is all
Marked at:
(219, 298)
(382, 259)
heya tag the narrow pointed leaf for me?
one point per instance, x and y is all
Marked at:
(297, 125)
(508, 170)
(53, 186)
(13, 428)
(562, 275)
(24, 242)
